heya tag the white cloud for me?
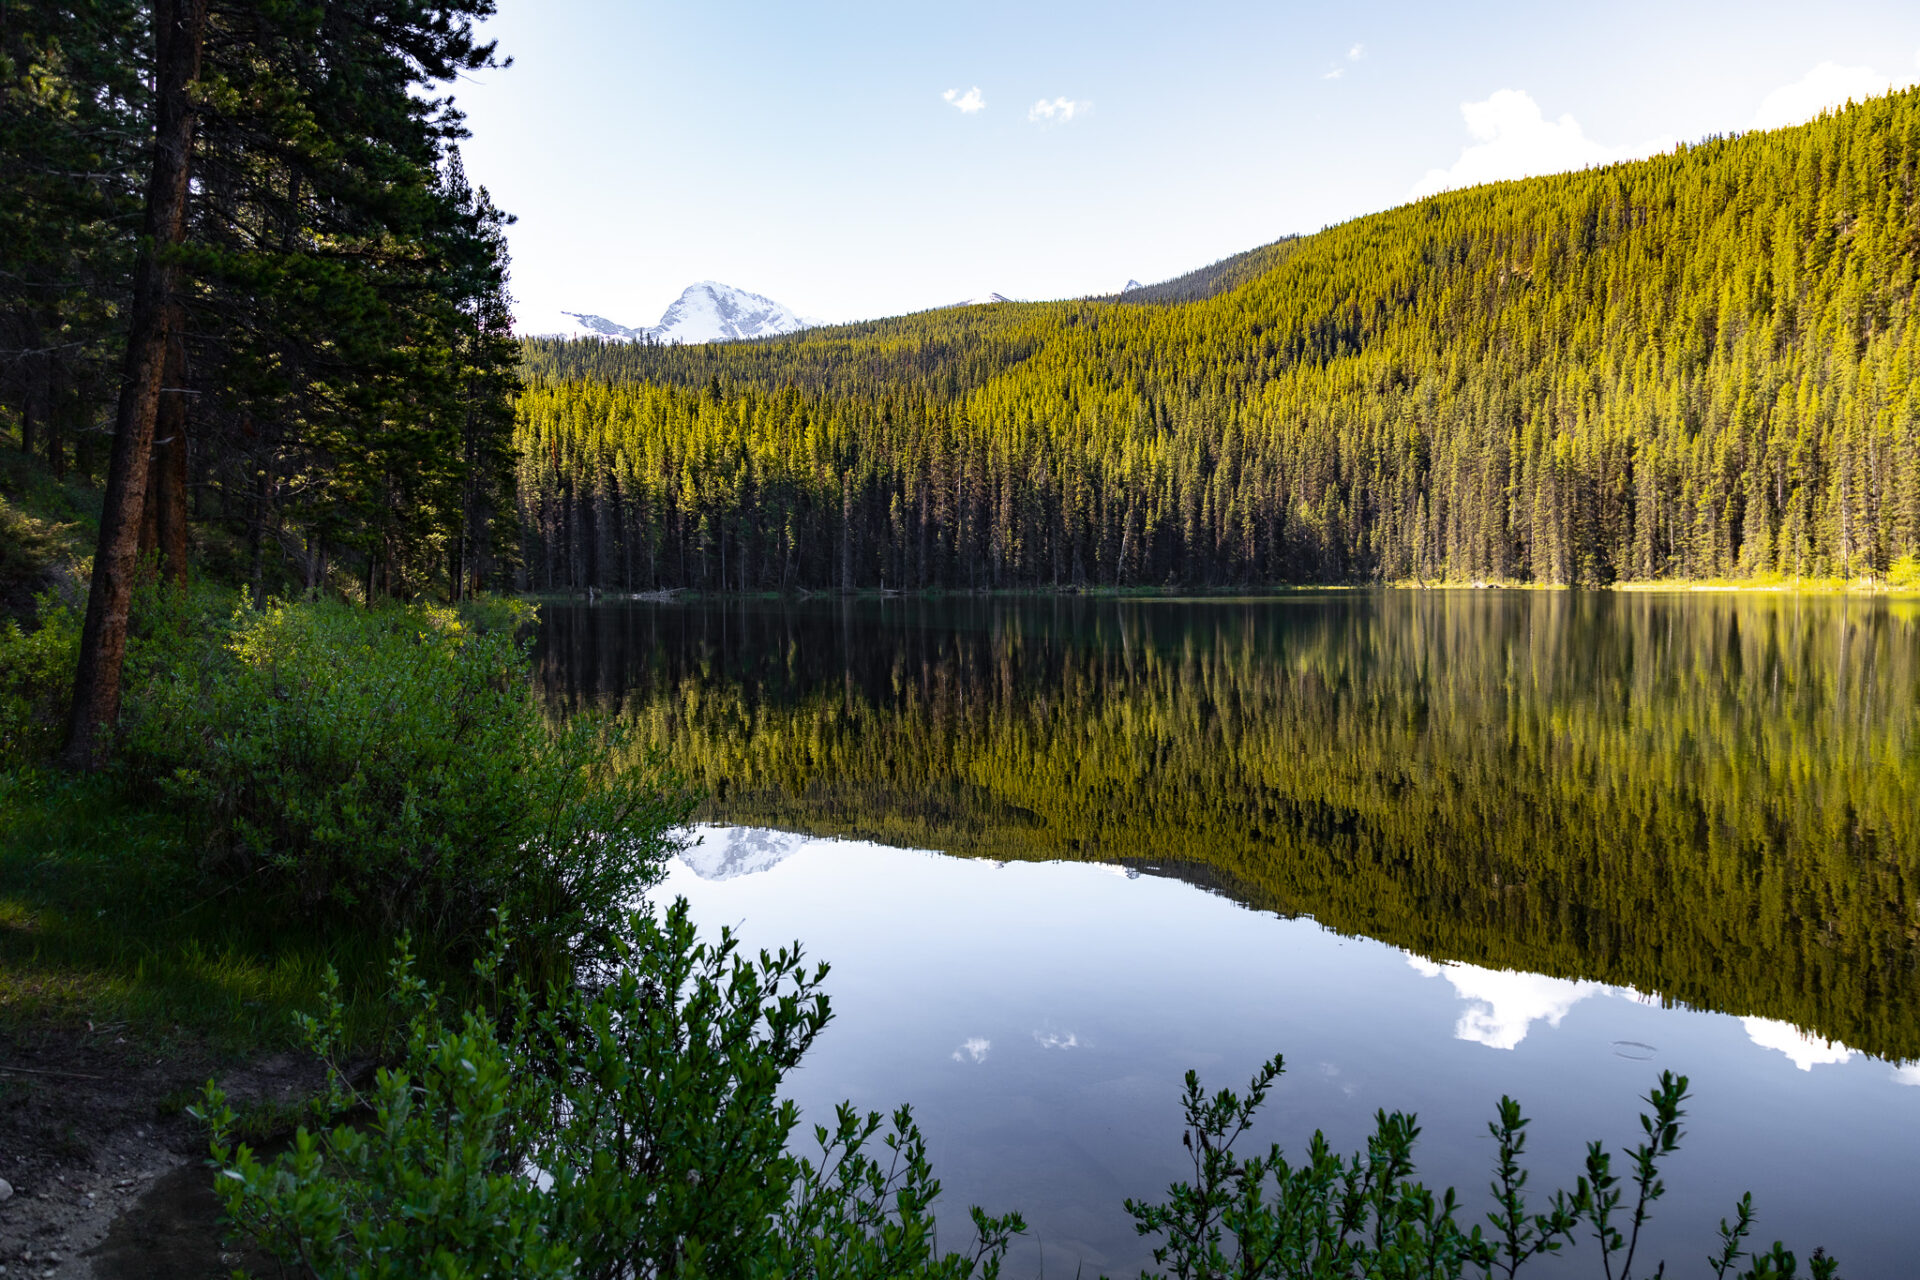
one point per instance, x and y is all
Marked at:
(1827, 86)
(1503, 1004)
(1907, 1073)
(1513, 139)
(1058, 111)
(966, 103)
(1356, 53)
(1334, 74)
(1057, 1040)
(973, 1048)
(1806, 1052)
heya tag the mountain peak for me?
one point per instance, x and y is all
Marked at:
(706, 311)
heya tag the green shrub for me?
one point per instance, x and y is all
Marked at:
(1904, 574)
(36, 682)
(1334, 1217)
(168, 628)
(632, 1129)
(392, 766)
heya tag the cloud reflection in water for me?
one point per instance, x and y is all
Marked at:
(1503, 1004)
(973, 1048)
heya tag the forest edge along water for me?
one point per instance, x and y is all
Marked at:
(1705, 796)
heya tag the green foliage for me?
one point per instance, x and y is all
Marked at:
(426, 1186)
(626, 1129)
(36, 678)
(1330, 1216)
(1699, 365)
(391, 764)
(106, 917)
(1333, 1217)
(72, 77)
(292, 784)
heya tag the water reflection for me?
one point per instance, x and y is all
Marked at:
(1802, 1049)
(1503, 1005)
(1710, 797)
(1039, 1017)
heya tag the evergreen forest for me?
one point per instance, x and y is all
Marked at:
(308, 306)
(1697, 366)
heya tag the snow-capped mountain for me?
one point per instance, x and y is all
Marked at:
(1130, 286)
(704, 312)
(715, 312)
(982, 301)
(580, 325)
(726, 853)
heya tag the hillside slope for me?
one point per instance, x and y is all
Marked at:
(1698, 365)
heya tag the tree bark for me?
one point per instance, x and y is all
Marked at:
(163, 525)
(179, 27)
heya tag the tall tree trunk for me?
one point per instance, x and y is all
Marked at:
(33, 384)
(257, 528)
(163, 525)
(179, 26)
(56, 443)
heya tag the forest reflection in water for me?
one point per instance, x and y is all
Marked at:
(1706, 796)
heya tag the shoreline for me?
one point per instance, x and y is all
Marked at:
(1851, 587)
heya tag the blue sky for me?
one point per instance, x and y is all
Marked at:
(837, 157)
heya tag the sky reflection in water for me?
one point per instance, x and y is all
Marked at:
(1039, 1018)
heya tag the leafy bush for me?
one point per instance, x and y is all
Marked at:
(631, 1129)
(168, 628)
(1904, 574)
(394, 766)
(1333, 1217)
(36, 682)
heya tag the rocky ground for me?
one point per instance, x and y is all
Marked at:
(106, 1169)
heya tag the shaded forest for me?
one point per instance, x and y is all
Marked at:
(330, 402)
(1699, 365)
(1710, 799)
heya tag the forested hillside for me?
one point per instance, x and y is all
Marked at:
(1698, 365)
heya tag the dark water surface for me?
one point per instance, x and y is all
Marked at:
(1432, 846)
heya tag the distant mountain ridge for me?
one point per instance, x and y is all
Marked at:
(708, 311)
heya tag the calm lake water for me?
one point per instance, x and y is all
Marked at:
(1432, 846)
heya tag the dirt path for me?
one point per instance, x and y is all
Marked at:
(106, 1168)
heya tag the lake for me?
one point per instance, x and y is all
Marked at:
(1433, 846)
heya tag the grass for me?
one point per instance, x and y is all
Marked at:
(1896, 585)
(105, 921)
